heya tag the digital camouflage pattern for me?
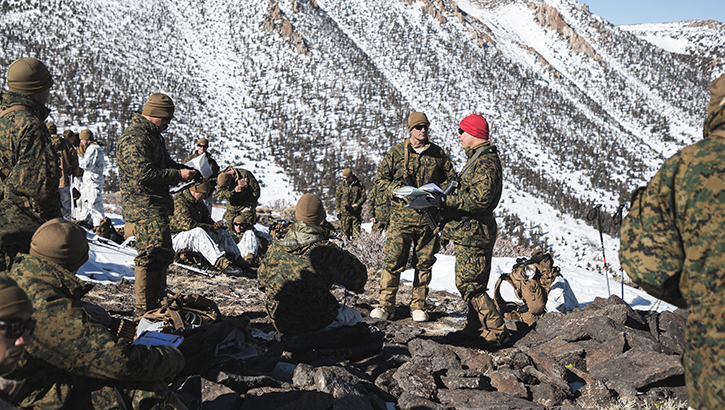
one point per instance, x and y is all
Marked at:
(408, 226)
(379, 208)
(30, 173)
(75, 362)
(673, 245)
(189, 214)
(237, 202)
(472, 228)
(146, 171)
(349, 199)
(297, 273)
(469, 211)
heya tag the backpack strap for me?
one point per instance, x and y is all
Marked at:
(18, 107)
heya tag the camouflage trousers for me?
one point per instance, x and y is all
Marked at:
(86, 393)
(17, 227)
(396, 249)
(155, 254)
(473, 268)
(350, 225)
(703, 358)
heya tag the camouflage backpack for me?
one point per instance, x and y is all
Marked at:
(531, 279)
(182, 312)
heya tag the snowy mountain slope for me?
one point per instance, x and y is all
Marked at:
(296, 90)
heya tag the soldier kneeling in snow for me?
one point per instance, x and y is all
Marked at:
(193, 230)
(539, 284)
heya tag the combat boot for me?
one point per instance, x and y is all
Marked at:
(228, 268)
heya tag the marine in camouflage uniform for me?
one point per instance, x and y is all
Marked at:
(672, 245)
(379, 209)
(298, 271)
(241, 192)
(146, 171)
(194, 230)
(28, 163)
(68, 166)
(472, 228)
(75, 362)
(423, 163)
(349, 198)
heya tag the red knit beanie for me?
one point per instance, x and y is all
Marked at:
(475, 125)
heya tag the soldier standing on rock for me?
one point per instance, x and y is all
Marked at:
(28, 163)
(146, 171)
(472, 228)
(415, 161)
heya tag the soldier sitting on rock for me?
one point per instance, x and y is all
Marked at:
(74, 361)
(299, 270)
(193, 230)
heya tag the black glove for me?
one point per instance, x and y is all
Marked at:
(350, 209)
(438, 201)
(339, 216)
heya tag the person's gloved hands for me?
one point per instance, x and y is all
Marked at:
(339, 215)
(218, 225)
(438, 200)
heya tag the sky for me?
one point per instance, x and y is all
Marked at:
(621, 12)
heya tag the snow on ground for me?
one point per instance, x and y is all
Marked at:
(109, 262)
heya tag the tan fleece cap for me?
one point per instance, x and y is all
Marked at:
(86, 135)
(13, 299)
(28, 76)
(61, 242)
(417, 118)
(159, 105)
(717, 95)
(309, 209)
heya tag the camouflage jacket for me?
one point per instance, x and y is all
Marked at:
(68, 158)
(28, 162)
(248, 197)
(672, 239)
(350, 195)
(469, 209)
(378, 205)
(296, 275)
(145, 171)
(431, 165)
(71, 351)
(189, 213)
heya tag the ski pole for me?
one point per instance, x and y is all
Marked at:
(617, 220)
(595, 213)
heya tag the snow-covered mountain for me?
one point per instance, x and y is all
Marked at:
(295, 90)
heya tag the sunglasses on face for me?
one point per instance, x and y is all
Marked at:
(16, 328)
(236, 224)
(201, 146)
(420, 127)
(460, 131)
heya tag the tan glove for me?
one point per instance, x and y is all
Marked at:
(218, 225)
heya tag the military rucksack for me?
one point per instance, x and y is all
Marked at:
(531, 279)
(182, 312)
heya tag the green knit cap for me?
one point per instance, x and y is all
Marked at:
(13, 299)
